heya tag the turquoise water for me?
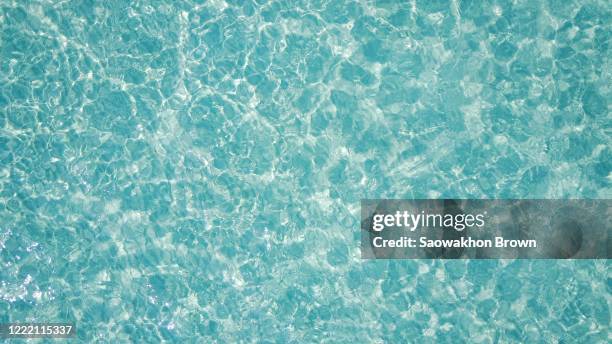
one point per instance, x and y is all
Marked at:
(191, 171)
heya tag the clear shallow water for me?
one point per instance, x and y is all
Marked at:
(192, 171)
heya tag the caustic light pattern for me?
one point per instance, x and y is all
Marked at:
(191, 171)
